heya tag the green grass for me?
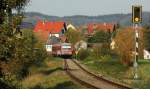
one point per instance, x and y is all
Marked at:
(114, 69)
(49, 76)
(110, 69)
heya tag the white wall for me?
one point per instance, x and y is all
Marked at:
(49, 48)
(57, 35)
(146, 54)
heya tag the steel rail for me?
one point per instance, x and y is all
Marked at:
(77, 79)
(100, 78)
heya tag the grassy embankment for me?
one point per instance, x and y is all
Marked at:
(115, 70)
(49, 76)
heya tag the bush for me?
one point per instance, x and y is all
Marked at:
(101, 50)
(105, 49)
(100, 37)
(9, 82)
(39, 56)
(96, 52)
(83, 54)
(105, 58)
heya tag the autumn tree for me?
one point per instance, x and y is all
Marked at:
(8, 5)
(73, 36)
(7, 36)
(13, 51)
(125, 45)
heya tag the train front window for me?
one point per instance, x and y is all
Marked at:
(66, 47)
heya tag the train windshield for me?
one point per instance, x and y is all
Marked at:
(66, 46)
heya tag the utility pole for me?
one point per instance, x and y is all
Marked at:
(136, 20)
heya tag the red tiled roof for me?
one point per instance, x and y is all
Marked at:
(39, 26)
(90, 28)
(51, 27)
(106, 27)
(103, 26)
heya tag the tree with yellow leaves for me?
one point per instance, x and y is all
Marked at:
(73, 36)
(125, 45)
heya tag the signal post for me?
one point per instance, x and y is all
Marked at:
(136, 20)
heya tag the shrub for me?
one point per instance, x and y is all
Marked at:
(83, 54)
(101, 50)
(105, 58)
(100, 37)
(9, 82)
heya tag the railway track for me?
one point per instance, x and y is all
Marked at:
(83, 76)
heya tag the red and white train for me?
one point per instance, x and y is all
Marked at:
(61, 49)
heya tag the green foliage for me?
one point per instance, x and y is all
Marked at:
(10, 5)
(111, 68)
(83, 54)
(15, 51)
(9, 82)
(13, 3)
(100, 37)
(147, 39)
(101, 50)
(96, 52)
(6, 43)
(73, 36)
(39, 56)
(16, 54)
(105, 49)
(105, 58)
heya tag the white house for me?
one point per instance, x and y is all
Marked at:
(146, 54)
(71, 26)
(112, 45)
(48, 48)
(81, 45)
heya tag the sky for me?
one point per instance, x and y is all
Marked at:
(84, 7)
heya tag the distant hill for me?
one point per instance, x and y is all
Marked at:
(26, 25)
(122, 19)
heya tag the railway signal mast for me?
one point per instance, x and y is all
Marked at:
(136, 20)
